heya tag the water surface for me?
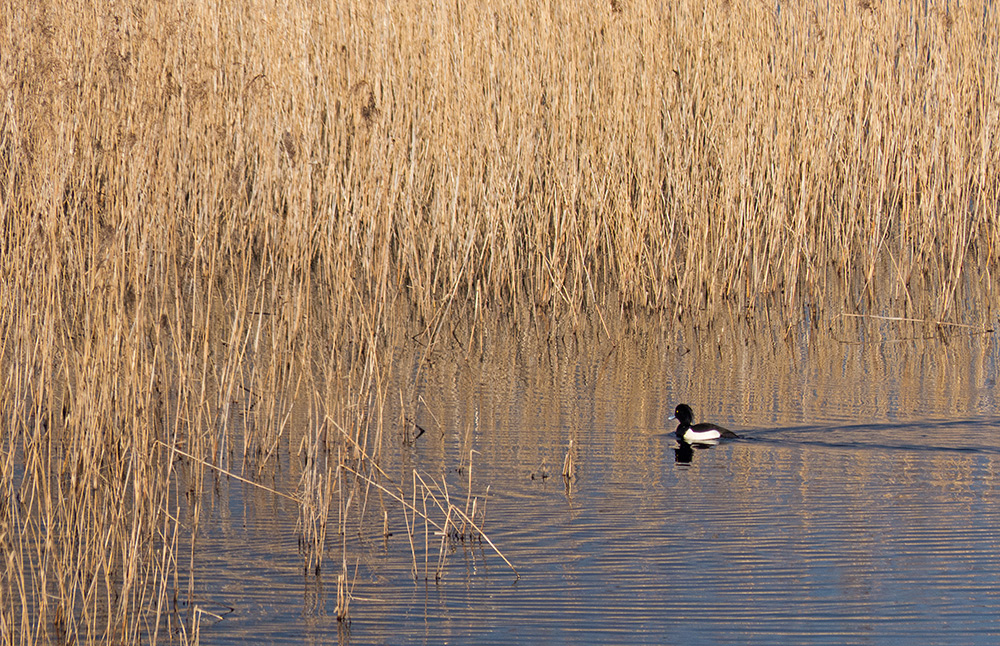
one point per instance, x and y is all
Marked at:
(861, 508)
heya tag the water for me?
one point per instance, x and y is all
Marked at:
(862, 508)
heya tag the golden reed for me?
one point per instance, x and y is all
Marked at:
(209, 208)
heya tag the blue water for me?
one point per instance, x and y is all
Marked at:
(864, 509)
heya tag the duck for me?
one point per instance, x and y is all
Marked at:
(703, 432)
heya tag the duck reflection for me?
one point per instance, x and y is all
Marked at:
(684, 451)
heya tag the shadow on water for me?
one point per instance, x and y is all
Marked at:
(859, 507)
(964, 436)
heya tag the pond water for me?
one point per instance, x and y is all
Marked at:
(861, 507)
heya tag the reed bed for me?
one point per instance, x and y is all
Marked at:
(215, 213)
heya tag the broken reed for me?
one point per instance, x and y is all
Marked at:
(210, 212)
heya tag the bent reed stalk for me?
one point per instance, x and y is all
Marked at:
(212, 212)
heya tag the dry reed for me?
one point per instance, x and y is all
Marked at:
(212, 212)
